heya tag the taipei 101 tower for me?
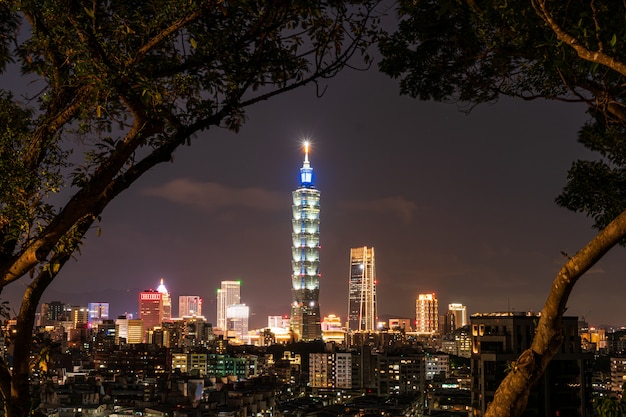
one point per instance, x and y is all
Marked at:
(305, 250)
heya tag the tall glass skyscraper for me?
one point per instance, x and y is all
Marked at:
(362, 313)
(228, 294)
(305, 250)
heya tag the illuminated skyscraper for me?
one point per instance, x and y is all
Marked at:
(362, 311)
(237, 316)
(151, 308)
(167, 302)
(189, 305)
(459, 312)
(79, 315)
(228, 294)
(98, 312)
(305, 252)
(426, 314)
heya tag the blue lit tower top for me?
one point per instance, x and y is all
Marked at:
(305, 249)
(306, 172)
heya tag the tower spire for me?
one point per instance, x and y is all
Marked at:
(306, 172)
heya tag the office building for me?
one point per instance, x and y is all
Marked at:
(189, 306)
(278, 322)
(54, 312)
(79, 315)
(151, 308)
(305, 276)
(228, 294)
(458, 313)
(399, 373)
(333, 330)
(458, 343)
(437, 365)
(498, 339)
(237, 316)
(426, 314)
(166, 302)
(400, 324)
(98, 312)
(128, 331)
(362, 314)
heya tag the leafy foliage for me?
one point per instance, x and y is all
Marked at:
(120, 86)
(609, 407)
(598, 188)
(473, 51)
(470, 52)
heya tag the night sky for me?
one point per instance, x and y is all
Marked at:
(460, 205)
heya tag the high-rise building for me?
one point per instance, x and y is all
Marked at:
(155, 306)
(189, 306)
(305, 252)
(54, 312)
(237, 316)
(362, 314)
(128, 330)
(167, 302)
(79, 315)
(426, 314)
(151, 308)
(228, 294)
(98, 312)
(459, 313)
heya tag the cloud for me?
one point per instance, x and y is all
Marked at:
(212, 197)
(396, 206)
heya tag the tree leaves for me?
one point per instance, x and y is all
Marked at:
(121, 85)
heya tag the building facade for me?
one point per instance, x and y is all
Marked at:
(166, 302)
(79, 315)
(189, 305)
(129, 331)
(305, 261)
(237, 316)
(399, 373)
(54, 312)
(362, 312)
(98, 312)
(458, 312)
(426, 314)
(151, 308)
(497, 341)
(228, 294)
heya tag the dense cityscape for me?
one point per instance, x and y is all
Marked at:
(438, 362)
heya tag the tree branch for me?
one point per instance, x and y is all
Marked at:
(512, 394)
(583, 52)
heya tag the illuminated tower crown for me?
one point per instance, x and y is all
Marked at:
(305, 284)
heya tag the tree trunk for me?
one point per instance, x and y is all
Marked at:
(512, 395)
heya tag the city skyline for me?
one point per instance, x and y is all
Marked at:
(452, 200)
